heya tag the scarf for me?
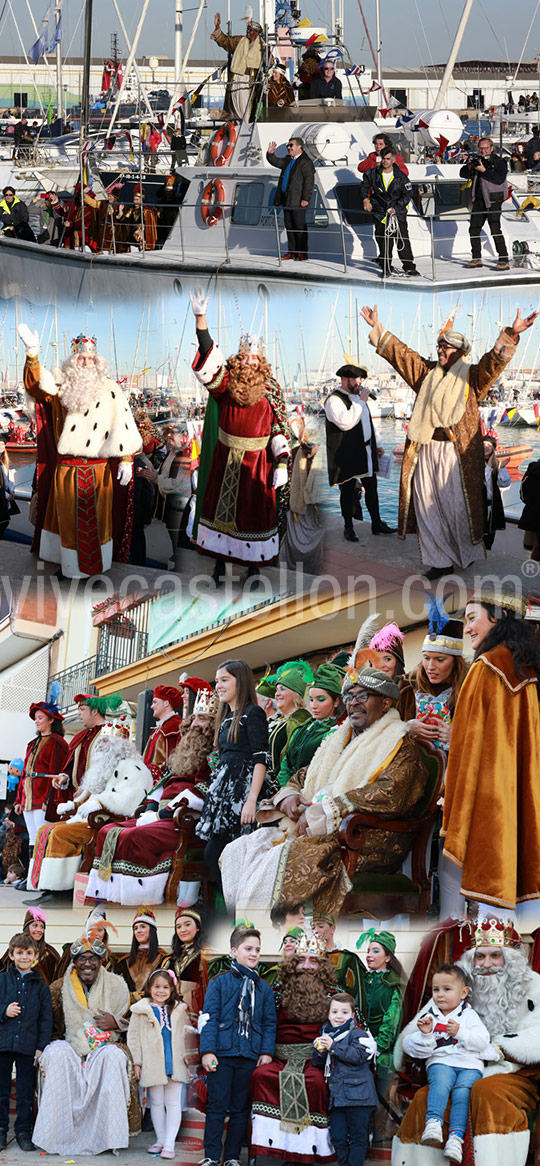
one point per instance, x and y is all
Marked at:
(108, 992)
(344, 762)
(337, 1034)
(246, 1003)
(246, 56)
(441, 401)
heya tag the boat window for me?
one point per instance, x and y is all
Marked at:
(317, 214)
(350, 203)
(247, 204)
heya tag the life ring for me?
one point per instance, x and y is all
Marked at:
(212, 203)
(223, 143)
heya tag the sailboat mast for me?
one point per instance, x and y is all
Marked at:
(178, 40)
(85, 99)
(59, 89)
(378, 38)
(447, 76)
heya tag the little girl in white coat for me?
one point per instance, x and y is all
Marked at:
(156, 1041)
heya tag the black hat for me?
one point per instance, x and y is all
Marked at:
(351, 370)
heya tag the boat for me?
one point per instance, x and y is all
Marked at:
(516, 453)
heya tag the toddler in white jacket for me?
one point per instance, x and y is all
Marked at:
(449, 1034)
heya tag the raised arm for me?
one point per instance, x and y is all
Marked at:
(409, 364)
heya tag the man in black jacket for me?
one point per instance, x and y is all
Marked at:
(488, 171)
(14, 216)
(294, 191)
(25, 1030)
(325, 83)
(352, 450)
(386, 193)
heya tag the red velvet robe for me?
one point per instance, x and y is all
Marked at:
(45, 756)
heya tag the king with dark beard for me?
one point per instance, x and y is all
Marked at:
(133, 861)
(242, 493)
(86, 438)
(289, 1096)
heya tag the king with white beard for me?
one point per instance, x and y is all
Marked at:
(86, 438)
(505, 993)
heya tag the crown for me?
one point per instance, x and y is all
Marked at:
(121, 727)
(492, 932)
(314, 945)
(250, 344)
(87, 344)
(206, 703)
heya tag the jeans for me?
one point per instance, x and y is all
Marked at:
(228, 1093)
(448, 1081)
(24, 1087)
(349, 1133)
(385, 243)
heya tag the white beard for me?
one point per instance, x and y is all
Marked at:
(106, 754)
(81, 387)
(498, 999)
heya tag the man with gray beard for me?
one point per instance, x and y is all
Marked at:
(86, 438)
(505, 993)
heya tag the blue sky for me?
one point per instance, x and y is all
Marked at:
(161, 336)
(413, 32)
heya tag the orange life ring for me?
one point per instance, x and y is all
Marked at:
(223, 143)
(212, 203)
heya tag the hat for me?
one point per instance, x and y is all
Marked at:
(445, 634)
(87, 345)
(372, 680)
(266, 685)
(105, 705)
(194, 683)
(82, 946)
(144, 915)
(190, 912)
(456, 340)
(351, 370)
(389, 639)
(330, 678)
(254, 24)
(340, 660)
(34, 915)
(320, 917)
(17, 763)
(173, 695)
(385, 938)
(48, 707)
(503, 600)
(295, 675)
(96, 918)
(493, 932)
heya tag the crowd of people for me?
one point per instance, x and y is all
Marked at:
(304, 1052)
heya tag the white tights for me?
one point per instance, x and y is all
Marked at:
(34, 819)
(166, 1107)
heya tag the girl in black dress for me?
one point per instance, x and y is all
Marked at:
(242, 742)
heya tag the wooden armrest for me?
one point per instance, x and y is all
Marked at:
(351, 831)
(184, 816)
(101, 818)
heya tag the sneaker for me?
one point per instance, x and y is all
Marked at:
(231, 1162)
(155, 1149)
(432, 1135)
(454, 1148)
(474, 263)
(208, 1162)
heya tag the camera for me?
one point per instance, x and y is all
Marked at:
(474, 160)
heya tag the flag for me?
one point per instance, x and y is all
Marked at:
(354, 70)
(57, 37)
(39, 47)
(374, 86)
(443, 142)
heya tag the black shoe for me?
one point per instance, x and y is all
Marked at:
(25, 1142)
(411, 271)
(383, 528)
(48, 897)
(350, 534)
(218, 574)
(438, 572)
(3, 1139)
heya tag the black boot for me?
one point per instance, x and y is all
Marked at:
(350, 534)
(218, 574)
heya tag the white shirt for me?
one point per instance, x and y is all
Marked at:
(348, 418)
(472, 1044)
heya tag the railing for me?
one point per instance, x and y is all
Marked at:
(123, 639)
(73, 680)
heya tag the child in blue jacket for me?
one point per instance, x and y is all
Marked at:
(345, 1052)
(237, 1032)
(25, 1030)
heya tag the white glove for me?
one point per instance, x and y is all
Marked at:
(125, 473)
(194, 802)
(199, 302)
(148, 816)
(65, 807)
(29, 339)
(369, 1044)
(280, 477)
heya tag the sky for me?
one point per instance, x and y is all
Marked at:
(308, 330)
(413, 32)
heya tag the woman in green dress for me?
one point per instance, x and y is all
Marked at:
(383, 985)
(326, 708)
(287, 686)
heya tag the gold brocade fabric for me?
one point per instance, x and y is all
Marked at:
(225, 515)
(491, 818)
(293, 1098)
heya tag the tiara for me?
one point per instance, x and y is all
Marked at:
(83, 343)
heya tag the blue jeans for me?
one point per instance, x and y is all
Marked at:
(445, 1081)
(349, 1133)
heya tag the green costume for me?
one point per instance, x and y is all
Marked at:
(279, 737)
(303, 745)
(347, 972)
(381, 997)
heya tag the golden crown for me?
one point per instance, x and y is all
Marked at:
(83, 344)
(494, 932)
(314, 945)
(205, 703)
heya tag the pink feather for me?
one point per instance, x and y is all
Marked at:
(37, 915)
(386, 638)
